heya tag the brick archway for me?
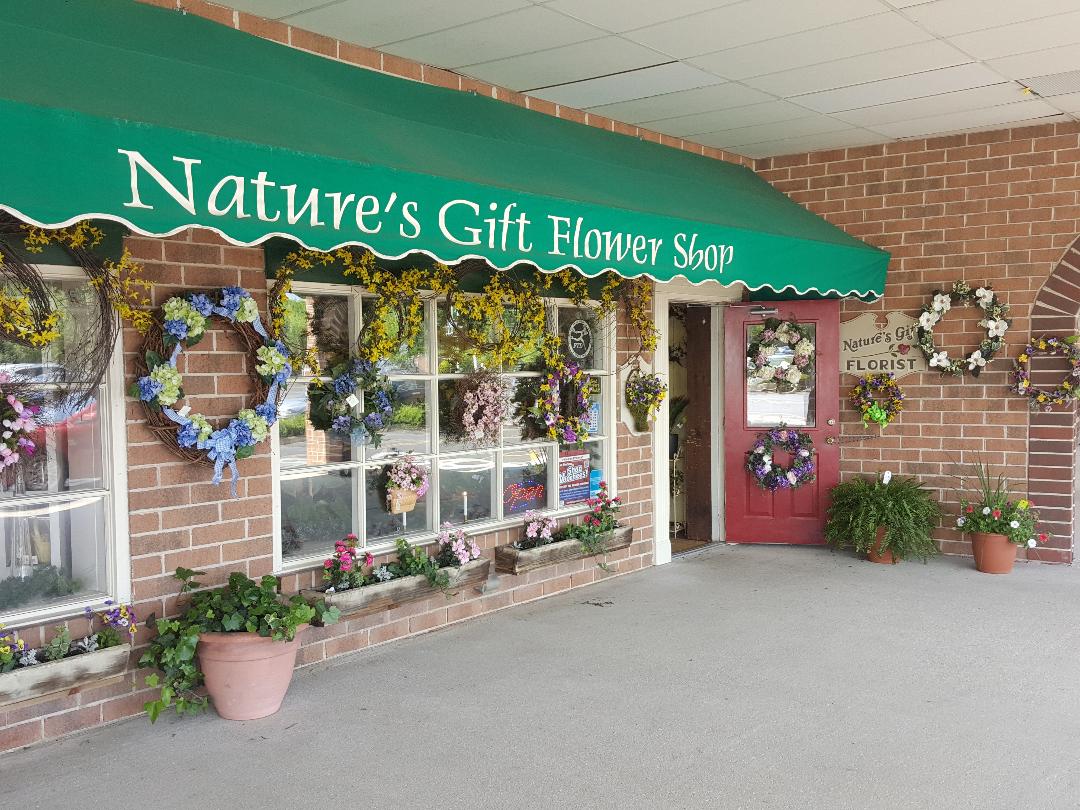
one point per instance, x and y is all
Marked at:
(1052, 437)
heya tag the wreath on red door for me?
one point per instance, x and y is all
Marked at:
(772, 476)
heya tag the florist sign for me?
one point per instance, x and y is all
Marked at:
(867, 347)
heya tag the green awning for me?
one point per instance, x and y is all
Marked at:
(161, 120)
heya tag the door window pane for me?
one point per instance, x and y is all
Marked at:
(525, 480)
(466, 488)
(381, 524)
(780, 378)
(315, 511)
(52, 552)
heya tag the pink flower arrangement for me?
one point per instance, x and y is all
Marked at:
(604, 511)
(17, 420)
(343, 570)
(455, 548)
(405, 473)
(539, 527)
(484, 406)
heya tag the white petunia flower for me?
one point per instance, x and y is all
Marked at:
(1031, 542)
(976, 360)
(996, 327)
(886, 476)
(960, 521)
(985, 296)
(939, 359)
(941, 303)
(986, 510)
(1015, 524)
(928, 319)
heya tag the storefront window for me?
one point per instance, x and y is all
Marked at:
(329, 487)
(56, 519)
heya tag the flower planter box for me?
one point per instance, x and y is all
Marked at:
(511, 560)
(396, 592)
(27, 683)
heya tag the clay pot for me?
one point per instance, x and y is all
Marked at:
(876, 554)
(994, 553)
(400, 500)
(246, 674)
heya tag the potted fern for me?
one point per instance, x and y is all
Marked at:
(886, 518)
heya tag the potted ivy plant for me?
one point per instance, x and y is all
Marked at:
(240, 641)
(997, 524)
(888, 518)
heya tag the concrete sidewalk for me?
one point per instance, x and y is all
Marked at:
(736, 677)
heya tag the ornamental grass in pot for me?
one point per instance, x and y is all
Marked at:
(240, 641)
(888, 518)
(998, 525)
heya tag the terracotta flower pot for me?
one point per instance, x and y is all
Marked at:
(876, 554)
(994, 553)
(246, 674)
(400, 500)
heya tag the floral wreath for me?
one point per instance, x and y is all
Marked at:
(878, 398)
(777, 335)
(558, 407)
(1065, 392)
(479, 406)
(770, 475)
(333, 405)
(995, 322)
(190, 434)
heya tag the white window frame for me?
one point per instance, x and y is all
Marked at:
(431, 378)
(113, 418)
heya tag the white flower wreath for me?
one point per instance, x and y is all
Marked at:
(995, 322)
(778, 336)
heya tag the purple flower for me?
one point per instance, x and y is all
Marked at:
(268, 411)
(374, 420)
(344, 384)
(188, 435)
(178, 329)
(231, 298)
(342, 424)
(241, 433)
(149, 388)
(202, 304)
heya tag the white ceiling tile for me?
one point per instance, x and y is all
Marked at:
(907, 3)
(634, 84)
(867, 67)
(516, 32)
(623, 15)
(685, 102)
(728, 119)
(809, 125)
(885, 91)
(951, 122)
(272, 9)
(949, 17)
(1033, 35)
(809, 143)
(746, 22)
(1069, 102)
(570, 63)
(851, 38)
(959, 101)
(1039, 63)
(376, 22)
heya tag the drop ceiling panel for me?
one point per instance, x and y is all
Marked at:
(635, 84)
(1033, 35)
(375, 22)
(867, 67)
(688, 102)
(770, 112)
(885, 91)
(272, 9)
(1020, 111)
(571, 63)
(812, 125)
(746, 22)
(625, 15)
(950, 17)
(809, 143)
(1070, 103)
(959, 101)
(1039, 63)
(523, 31)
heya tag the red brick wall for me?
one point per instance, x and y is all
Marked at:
(988, 207)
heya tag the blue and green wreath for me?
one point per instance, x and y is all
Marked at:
(335, 406)
(191, 435)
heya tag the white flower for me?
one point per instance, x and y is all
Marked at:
(960, 521)
(985, 296)
(804, 452)
(976, 360)
(928, 319)
(804, 348)
(996, 327)
(886, 476)
(1015, 524)
(793, 375)
(986, 510)
(792, 478)
(761, 450)
(1031, 542)
(941, 303)
(939, 359)
(767, 461)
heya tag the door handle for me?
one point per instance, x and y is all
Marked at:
(831, 440)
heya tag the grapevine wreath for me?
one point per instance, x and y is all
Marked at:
(995, 322)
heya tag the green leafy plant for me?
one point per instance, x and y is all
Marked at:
(243, 605)
(992, 511)
(416, 562)
(59, 646)
(47, 582)
(902, 505)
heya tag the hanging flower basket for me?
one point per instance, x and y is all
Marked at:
(406, 481)
(400, 500)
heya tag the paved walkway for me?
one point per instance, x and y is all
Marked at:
(737, 677)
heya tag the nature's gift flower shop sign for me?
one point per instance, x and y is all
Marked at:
(870, 347)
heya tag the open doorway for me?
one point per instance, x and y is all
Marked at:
(691, 522)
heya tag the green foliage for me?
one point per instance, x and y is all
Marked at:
(243, 605)
(47, 582)
(294, 425)
(993, 512)
(108, 637)
(416, 562)
(906, 510)
(410, 414)
(59, 646)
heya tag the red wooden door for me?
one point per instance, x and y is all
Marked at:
(751, 407)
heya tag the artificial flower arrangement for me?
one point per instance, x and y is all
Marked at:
(118, 622)
(556, 406)
(349, 568)
(540, 529)
(993, 511)
(480, 406)
(995, 321)
(185, 321)
(781, 337)
(878, 398)
(334, 405)
(772, 476)
(19, 424)
(406, 481)
(644, 393)
(1065, 392)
